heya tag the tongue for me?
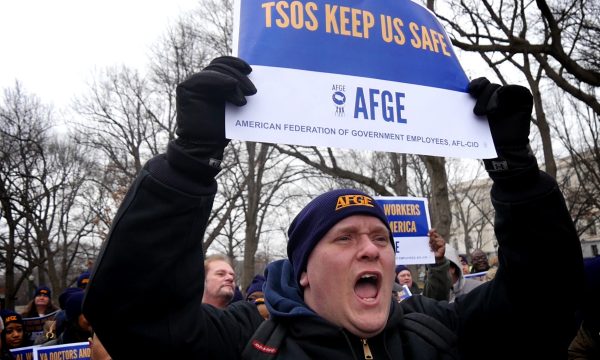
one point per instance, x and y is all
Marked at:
(365, 290)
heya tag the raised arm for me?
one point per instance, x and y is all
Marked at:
(145, 293)
(535, 232)
(438, 283)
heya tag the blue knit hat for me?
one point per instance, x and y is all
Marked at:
(401, 268)
(73, 305)
(320, 215)
(255, 285)
(83, 280)
(43, 290)
(62, 298)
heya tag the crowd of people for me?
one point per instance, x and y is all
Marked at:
(70, 326)
(332, 297)
(63, 324)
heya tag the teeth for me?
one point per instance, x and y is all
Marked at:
(369, 276)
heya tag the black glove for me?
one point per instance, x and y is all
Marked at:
(508, 109)
(201, 106)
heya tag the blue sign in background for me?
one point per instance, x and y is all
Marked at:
(22, 353)
(80, 351)
(318, 50)
(422, 224)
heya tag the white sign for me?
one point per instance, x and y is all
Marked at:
(373, 75)
(409, 221)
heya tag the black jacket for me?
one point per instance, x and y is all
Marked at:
(144, 297)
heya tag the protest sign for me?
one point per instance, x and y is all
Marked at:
(373, 75)
(477, 276)
(35, 325)
(404, 293)
(24, 353)
(409, 222)
(73, 351)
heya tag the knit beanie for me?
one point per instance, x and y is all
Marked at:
(43, 290)
(83, 279)
(62, 298)
(73, 305)
(320, 215)
(255, 285)
(400, 268)
(9, 316)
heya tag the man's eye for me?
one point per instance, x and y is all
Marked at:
(382, 239)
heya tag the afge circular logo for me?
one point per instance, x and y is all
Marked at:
(339, 98)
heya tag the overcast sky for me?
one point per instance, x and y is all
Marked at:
(51, 46)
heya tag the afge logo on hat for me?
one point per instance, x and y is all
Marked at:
(10, 318)
(345, 201)
(43, 292)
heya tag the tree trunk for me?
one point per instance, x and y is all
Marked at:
(544, 130)
(400, 166)
(9, 277)
(441, 217)
(256, 164)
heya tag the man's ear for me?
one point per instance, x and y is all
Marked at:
(304, 279)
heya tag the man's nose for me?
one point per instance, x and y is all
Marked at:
(368, 250)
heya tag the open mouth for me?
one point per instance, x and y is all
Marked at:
(367, 287)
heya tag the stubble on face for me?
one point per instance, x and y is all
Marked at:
(219, 283)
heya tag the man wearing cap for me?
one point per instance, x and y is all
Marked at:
(404, 277)
(332, 297)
